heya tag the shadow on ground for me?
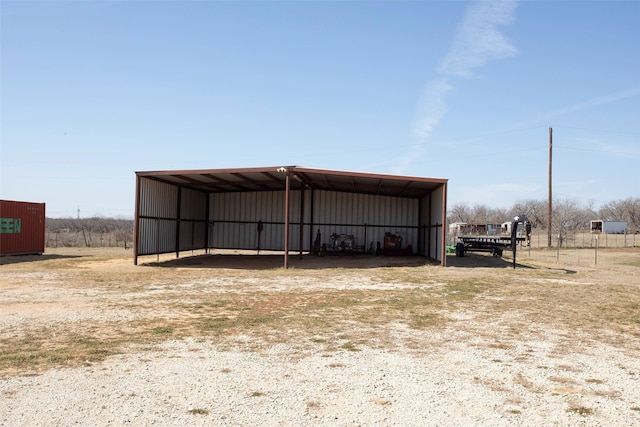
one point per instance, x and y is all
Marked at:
(308, 262)
(15, 259)
(482, 260)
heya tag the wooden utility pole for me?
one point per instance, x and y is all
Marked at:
(549, 202)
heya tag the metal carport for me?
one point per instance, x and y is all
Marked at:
(282, 207)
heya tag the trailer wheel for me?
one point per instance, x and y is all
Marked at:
(459, 249)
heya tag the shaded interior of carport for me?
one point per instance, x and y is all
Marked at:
(291, 209)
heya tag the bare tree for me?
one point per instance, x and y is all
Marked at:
(460, 212)
(535, 210)
(567, 216)
(94, 231)
(623, 210)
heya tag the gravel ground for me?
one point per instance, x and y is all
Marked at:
(193, 383)
(472, 371)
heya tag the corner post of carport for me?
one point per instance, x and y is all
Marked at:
(443, 231)
(136, 222)
(287, 202)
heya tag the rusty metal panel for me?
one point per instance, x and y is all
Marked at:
(22, 227)
(157, 199)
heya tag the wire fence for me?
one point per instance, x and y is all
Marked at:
(582, 239)
(89, 239)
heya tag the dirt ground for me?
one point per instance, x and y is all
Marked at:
(76, 308)
(47, 302)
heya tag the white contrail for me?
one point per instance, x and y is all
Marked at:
(431, 107)
(477, 40)
(594, 102)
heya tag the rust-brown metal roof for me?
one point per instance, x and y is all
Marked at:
(273, 179)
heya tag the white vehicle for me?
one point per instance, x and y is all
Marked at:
(608, 227)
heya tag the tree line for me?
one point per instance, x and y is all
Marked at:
(89, 232)
(567, 215)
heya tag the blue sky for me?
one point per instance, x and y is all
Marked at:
(93, 91)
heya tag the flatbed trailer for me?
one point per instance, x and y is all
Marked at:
(494, 244)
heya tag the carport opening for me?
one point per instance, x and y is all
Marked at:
(296, 211)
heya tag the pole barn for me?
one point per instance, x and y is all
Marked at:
(286, 208)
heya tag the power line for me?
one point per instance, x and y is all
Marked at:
(601, 130)
(600, 150)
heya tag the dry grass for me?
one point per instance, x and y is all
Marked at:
(75, 307)
(580, 410)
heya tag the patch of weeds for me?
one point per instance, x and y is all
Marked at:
(580, 410)
(198, 411)
(215, 323)
(256, 394)
(261, 320)
(594, 381)
(34, 352)
(336, 365)
(349, 346)
(225, 370)
(162, 330)
(424, 321)
(514, 411)
(498, 345)
(465, 290)
(216, 303)
(635, 408)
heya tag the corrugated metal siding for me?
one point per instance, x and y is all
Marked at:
(193, 219)
(22, 226)
(149, 230)
(366, 217)
(235, 218)
(425, 222)
(435, 248)
(267, 206)
(192, 235)
(193, 204)
(159, 208)
(157, 199)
